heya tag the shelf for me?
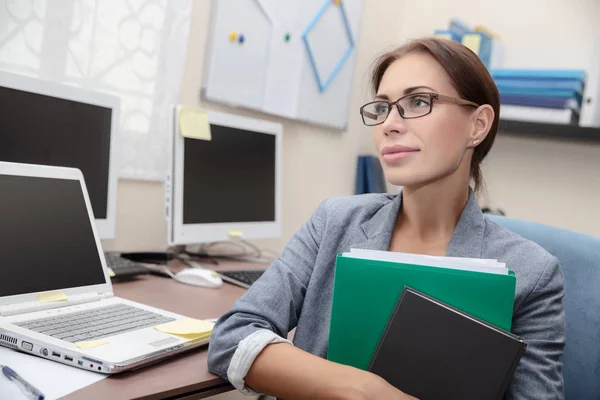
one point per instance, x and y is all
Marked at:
(569, 132)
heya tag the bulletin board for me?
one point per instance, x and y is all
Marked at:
(291, 58)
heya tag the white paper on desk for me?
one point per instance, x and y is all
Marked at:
(53, 379)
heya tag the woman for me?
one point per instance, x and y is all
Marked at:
(434, 119)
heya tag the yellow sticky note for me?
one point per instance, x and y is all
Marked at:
(50, 297)
(446, 36)
(193, 124)
(472, 41)
(187, 327)
(234, 233)
(111, 273)
(90, 344)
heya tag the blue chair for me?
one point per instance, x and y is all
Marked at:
(579, 257)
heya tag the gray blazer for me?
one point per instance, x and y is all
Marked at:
(296, 290)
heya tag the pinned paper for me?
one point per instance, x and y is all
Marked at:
(473, 42)
(235, 233)
(193, 124)
(111, 273)
(51, 297)
(189, 328)
(90, 344)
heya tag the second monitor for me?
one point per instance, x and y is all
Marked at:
(229, 183)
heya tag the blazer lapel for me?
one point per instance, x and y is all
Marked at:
(378, 230)
(467, 239)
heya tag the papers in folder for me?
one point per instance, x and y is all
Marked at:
(368, 284)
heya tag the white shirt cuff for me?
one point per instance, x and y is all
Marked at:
(245, 355)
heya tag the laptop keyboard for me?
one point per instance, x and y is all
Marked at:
(96, 324)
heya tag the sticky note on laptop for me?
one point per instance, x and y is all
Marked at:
(50, 297)
(193, 124)
(90, 344)
(188, 328)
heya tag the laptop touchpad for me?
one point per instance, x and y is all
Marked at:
(164, 342)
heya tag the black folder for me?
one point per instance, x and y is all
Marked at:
(433, 351)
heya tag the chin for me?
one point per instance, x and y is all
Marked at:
(409, 180)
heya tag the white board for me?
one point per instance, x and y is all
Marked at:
(306, 76)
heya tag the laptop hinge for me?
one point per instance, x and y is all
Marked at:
(31, 306)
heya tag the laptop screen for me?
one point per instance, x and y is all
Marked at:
(46, 238)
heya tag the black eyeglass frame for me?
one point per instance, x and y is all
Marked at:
(433, 97)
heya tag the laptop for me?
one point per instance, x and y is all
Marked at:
(56, 297)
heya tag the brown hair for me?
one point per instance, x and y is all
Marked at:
(469, 77)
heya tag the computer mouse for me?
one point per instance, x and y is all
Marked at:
(199, 277)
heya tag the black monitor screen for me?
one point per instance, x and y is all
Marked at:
(46, 237)
(38, 129)
(230, 178)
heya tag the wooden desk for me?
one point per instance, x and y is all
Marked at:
(186, 375)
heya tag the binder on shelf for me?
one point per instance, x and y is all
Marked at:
(536, 114)
(558, 103)
(367, 289)
(532, 74)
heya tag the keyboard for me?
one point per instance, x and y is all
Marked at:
(243, 278)
(95, 324)
(123, 267)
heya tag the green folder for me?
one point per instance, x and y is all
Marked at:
(366, 292)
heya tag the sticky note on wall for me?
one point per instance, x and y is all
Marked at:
(193, 124)
(50, 297)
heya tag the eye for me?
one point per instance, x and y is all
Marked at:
(380, 108)
(419, 101)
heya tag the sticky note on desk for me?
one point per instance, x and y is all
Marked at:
(193, 124)
(90, 344)
(188, 328)
(111, 273)
(50, 297)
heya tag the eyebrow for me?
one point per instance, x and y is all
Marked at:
(406, 91)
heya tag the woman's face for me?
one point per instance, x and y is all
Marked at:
(416, 152)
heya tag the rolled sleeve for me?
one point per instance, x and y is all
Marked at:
(247, 351)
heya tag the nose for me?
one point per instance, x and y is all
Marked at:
(394, 123)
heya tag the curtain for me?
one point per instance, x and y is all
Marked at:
(133, 49)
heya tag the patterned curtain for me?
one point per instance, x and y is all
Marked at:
(134, 49)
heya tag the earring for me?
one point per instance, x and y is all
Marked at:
(476, 142)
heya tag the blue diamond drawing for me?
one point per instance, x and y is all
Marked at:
(331, 20)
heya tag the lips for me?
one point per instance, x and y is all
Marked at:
(397, 152)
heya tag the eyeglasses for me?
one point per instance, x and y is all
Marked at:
(414, 105)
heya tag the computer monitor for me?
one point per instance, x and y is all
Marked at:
(48, 123)
(229, 183)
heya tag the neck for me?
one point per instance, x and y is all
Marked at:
(430, 213)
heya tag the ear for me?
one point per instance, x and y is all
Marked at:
(483, 118)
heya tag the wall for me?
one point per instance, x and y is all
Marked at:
(318, 162)
(548, 181)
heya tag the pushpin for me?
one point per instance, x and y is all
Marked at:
(232, 36)
(287, 37)
(241, 38)
(336, 2)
